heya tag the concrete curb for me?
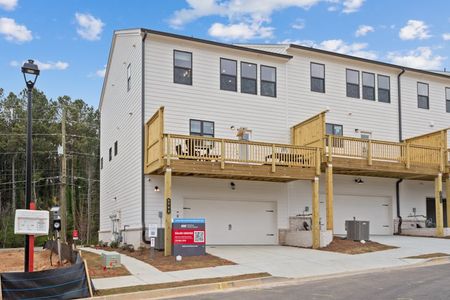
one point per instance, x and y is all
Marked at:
(196, 289)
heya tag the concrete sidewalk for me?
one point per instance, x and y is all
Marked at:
(289, 262)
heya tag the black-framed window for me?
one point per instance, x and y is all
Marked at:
(182, 67)
(368, 86)
(384, 88)
(268, 81)
(116, 148)
(228, 75)
(447, 102)
(317, 77)
(334, 129)
(352, 77)
(101, 163)
(423, 99)
(249, 78)
(129, 77)
(201, 127)
(110, 154)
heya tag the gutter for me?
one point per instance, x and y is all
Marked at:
(400, 138)
(143, 140)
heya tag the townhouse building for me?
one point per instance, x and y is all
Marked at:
(250, 136)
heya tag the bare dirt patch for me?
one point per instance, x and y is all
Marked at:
(169, 263)
(345, 246)
(429, 255)
(12, 261)
(149, 287)
(96, 270)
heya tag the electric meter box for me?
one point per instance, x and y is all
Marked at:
(111, 260)
(31, 222)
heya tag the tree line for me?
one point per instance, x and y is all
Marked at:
(81, 191)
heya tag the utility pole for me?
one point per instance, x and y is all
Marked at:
(63, 200)
(89, 218)
(13, 175)
(72, 198)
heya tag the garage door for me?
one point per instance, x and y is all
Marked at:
(377, 210)
(235, 222)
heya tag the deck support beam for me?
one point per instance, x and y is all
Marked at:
(315, 214)
(447, 189)
(330, 209)
(168, 212)
(439, 206)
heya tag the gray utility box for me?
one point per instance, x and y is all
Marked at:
(159, 241)
(357, 230)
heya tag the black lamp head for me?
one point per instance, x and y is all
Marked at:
(30, 68)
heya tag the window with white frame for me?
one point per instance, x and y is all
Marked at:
(384, 89)
(248, 78)
(352, 83)
(447, 102)
(317, 77)
(228, 75)
(182, 67)
(368, 83)
(268, 81)
(423, 99)
(201, 127)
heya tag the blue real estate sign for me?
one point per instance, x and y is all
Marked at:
(188, 237)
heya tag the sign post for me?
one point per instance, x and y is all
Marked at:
(152, 234)
(188, 237)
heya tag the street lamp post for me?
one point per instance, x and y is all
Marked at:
(31, 70)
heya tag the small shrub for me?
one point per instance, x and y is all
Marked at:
(114, 244)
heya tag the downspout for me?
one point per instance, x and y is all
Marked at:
(400, 138)
(143, 140)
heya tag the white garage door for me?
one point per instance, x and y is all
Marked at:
(235, 222)
(377, 210)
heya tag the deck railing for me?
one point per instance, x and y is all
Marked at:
(237, 151)
(375, 150)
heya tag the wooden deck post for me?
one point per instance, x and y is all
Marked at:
(222, 154)
(168, 212)
(330, 210)
(408, 157)
(447, 189)
(318, 161)
(439, 210)
(330, 148)
(315, 214)
(168, 150)
(273, 159)
(369, 152)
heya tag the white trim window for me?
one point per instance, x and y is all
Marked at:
(352, 78)
(447, 100)
(423, 99)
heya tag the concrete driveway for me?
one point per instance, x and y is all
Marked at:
(297, 262)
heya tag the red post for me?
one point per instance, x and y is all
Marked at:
(31, 245)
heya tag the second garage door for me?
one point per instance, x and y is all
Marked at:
(377, 210)
(235, 222)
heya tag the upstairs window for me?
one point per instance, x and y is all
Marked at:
(110, 154)
(129, 77)
(384, 89)
(268, 81)
(352, 83)
(202, 128)
(368, 81)
(248, 78)
(228, 75)
(423, 100)
(447, 100)
(116, 146)
(182, 67)
(317, 77)
(334, 129)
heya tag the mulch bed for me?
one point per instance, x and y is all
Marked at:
(169, 263)
(149, 287)
(12, 261)
(96, 270)
(429, 255)
(342, 245)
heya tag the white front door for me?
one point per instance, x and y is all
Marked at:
(376, 210)
(235, 222)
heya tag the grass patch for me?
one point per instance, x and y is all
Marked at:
(429, 255)
(342, 245)
(96, 270)
(149, 287)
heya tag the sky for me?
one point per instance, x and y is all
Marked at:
(70, 40)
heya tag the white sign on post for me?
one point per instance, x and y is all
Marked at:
(152, 230)
(31, 222)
